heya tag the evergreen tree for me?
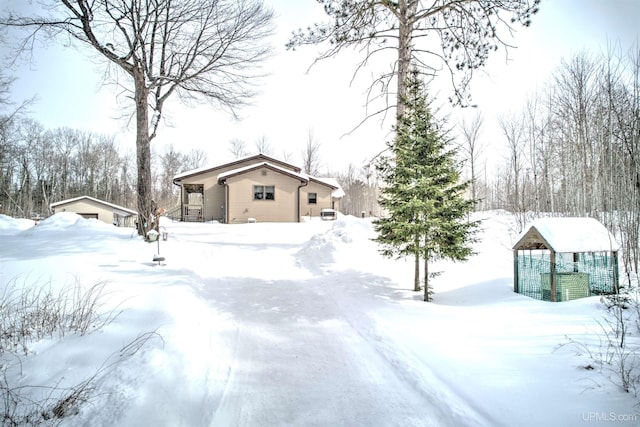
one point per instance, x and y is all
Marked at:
(427, 213)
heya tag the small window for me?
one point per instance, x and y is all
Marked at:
(269, 192)
(258, 192)
(264, 192)
(313, 198)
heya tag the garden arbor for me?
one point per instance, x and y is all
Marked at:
(561, 259)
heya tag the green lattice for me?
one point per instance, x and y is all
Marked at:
(577, 275)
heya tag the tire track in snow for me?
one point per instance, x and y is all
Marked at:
(450, 406)
(305, 352)
(355, 286)
(317, 363)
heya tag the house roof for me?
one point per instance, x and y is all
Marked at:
(122, 211)
(223, 176)
(337, 191)
(262, 160)
(567, 235)
(258, 157)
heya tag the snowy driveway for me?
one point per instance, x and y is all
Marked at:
(299, 361)
(304, 349)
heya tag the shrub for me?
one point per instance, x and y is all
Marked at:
(33, 312)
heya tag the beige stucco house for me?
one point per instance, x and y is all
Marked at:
(257, 188)
(88, 207)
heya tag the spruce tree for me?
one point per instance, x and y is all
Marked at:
(424, 199)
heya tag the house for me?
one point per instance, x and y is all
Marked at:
(89, 207)
(256, 188)
(561, 259)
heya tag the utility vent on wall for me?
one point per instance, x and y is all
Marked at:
(264, 173)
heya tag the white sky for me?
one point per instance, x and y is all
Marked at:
(69, 89)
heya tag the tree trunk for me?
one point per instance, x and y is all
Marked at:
(407, 10)
(416, 274)
(426, 277)
(143, 146)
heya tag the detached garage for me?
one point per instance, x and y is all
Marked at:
(88, 207)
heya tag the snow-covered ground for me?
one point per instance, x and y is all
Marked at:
(304, 324)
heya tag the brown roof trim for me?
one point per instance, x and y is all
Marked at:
(266, 165)
(532, 240)
(257, 157)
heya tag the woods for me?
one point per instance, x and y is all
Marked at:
(40, 166)
(573, 148)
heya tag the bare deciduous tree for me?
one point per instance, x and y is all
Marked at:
(287, 156)
(575, 105)
(575, 149)
(206, 50)
(361, 190)
(311, 154)
(472, 147)
(512, 128)
(171, 163)
(263, 146)
(196, 158)
(238, 148)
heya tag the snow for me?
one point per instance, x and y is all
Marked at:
(274, 324)
(574, 234)
(9, 225)
(121, 210)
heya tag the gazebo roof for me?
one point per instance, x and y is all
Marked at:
(567, 235)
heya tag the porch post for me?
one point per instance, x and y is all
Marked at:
(181, 202)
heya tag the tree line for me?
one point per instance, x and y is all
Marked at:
(39, 166)
(573, 149)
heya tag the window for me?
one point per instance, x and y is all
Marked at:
(313, 198)
(264, 192)
(269, 192)
(258, 192)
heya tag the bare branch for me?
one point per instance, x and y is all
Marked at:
(466, 31)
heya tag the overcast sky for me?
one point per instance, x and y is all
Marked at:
(70, 94)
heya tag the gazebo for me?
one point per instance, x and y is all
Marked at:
(561, 259)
